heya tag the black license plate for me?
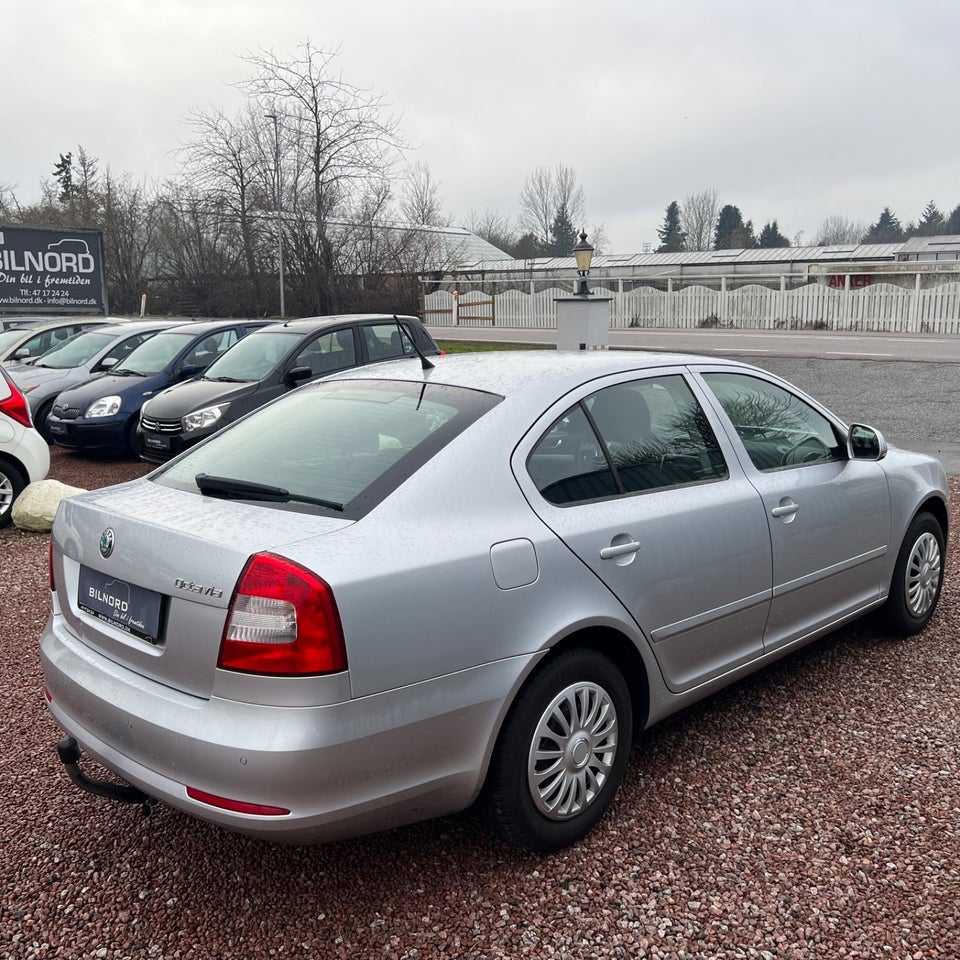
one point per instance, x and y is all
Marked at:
(57, 428)
(125, 605)
(156, 443)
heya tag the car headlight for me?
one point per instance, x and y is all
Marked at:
(104, 407)
(201, 419)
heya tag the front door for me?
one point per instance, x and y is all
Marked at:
(828, 515)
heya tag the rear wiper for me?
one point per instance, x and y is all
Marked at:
(232, 489)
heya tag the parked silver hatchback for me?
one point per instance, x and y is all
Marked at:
(411, 587)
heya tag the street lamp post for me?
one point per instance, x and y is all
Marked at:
(277, 204)
(583, 252)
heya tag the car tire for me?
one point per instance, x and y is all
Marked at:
(917, 578)
(131, 446)
(40, 420)
(576, 710)
(12, 482)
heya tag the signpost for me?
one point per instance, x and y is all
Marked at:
(51, 270)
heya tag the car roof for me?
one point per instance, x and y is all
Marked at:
(141, 326)
(309, 324)
(517, 373)
(212, 326)
(33, 328)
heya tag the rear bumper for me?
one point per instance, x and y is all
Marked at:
(341, 769)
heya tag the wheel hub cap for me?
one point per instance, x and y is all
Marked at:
(923, 575)
(572, 751)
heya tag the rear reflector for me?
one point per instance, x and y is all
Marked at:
(238, 806)
(282, 621)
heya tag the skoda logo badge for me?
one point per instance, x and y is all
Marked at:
(106, 543)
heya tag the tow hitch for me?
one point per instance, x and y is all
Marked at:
(69, 752)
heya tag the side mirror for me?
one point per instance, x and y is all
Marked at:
(107, 362)
(22, 353)
(296, 375)
(191, 370)
(865, 443)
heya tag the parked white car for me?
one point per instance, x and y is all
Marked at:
(24, 454)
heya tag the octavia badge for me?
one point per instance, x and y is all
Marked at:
(107, 540)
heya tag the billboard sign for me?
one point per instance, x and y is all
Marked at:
(51, 270)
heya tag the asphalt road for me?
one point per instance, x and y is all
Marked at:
(907, 387)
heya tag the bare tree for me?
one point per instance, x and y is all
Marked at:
(544, 193)
(698, 218)
(339, 144)
(494, 227)
(231, 161)
(420, 199)
(130, 219)
(838, 229)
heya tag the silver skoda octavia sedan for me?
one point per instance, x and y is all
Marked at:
(398, 592)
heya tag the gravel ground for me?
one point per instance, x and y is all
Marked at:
(812, 811)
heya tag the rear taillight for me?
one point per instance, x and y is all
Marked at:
(282, 621)
(16, 407)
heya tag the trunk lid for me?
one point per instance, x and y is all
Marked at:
(144, 573)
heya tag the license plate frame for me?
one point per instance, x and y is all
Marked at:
(127, 606)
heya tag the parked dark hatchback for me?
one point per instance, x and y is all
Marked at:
(265, 365)
(103, 414)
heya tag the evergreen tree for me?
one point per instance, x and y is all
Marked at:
(63, 174)
(887, 229)
(672, 238)
(770, 236)
(952, 224)
(729, 221)
(529, 247)
(931, 222)
(743, 237)
(564, 237)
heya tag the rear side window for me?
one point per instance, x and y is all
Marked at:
(387, 340)
(776, 427)
(629, 438)
(335, 447)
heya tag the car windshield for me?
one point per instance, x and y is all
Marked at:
(151, 357)
(339, 446)
(10, 337)
(253, 357)
(77, 351)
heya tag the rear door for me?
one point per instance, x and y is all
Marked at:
(829, 517)
(637, 481)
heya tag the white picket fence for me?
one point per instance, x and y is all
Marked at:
(881, 307)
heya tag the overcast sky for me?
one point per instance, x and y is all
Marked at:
(792, 111)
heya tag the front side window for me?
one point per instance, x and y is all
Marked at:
(329, 352)
(776, 427)
(629, 438)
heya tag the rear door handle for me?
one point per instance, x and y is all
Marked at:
(787, 508)
(620, 550)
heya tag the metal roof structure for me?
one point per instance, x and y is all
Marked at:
(788, 259)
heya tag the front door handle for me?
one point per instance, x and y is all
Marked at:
(620, 550)
(787, 508)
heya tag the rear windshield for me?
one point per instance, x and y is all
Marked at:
(336, 447)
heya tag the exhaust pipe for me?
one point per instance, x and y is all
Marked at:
(69, 752)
